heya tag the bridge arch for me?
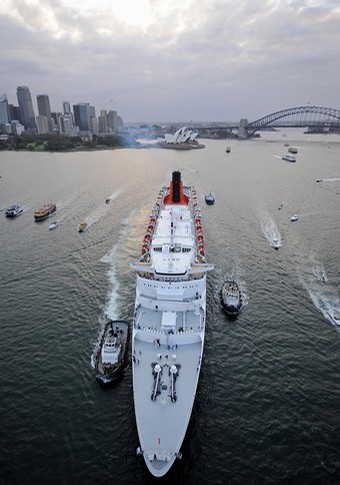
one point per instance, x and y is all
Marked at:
(302, 115)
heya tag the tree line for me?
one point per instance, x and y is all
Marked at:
(61, 143)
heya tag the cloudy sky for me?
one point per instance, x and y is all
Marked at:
(173, 60)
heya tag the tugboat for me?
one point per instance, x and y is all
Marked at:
(231, 297)
(109, 361)
(210, 199)
(14, 210)
(44, 212)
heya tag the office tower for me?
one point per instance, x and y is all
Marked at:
(93, 123)
(3, 110)
(102, 121)
(27, 116)
(44, 109)
(13, 112)
(82, 115)
(66, 108)
(42, 124)
(112, 121)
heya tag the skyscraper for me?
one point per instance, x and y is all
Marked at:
(3, 109)
(44, 109)
(82, 116)
(27, 116)
(66, 107)
(112, 121)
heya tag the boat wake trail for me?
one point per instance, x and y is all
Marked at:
(271, 232)
(113, 196)
(333, 179)
(324, 297)
(111, 258)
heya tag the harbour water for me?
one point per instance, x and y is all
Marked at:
(267, 407)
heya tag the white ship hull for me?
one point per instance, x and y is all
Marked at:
(168, 331)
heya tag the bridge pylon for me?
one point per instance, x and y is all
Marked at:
(243, 129)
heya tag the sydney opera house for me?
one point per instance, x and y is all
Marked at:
(183, 139)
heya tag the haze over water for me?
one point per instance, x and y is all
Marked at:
(267, 405)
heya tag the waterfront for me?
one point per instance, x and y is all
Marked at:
(266, 408)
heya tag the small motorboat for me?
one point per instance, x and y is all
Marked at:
(210, 198)
(295, 217)
(53, 225)
(231, 297)
(289, 158)
(14, 210)
(109, 361)
(108, 200)
(228, 150)
(292, 150)
(275, 243)
(82, 226)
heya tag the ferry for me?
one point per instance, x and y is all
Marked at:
(44, 212)
(169, 324)
(14, 210)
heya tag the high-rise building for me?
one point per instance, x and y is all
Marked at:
(42, 124)
(102, 121)
(27, 116)
(3, 110)
(44, 108)
(13, 112)
(112, 121)
(93, 122)
(82, 116)
(66, 108)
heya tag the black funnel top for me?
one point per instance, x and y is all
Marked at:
(176, 186)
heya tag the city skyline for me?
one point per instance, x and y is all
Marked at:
(70, 121)
(219, 60)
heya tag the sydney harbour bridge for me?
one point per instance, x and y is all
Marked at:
(315, 118)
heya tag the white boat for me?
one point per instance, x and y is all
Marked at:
(275, 243)
(295, 217)
(53, 225)
(169, 324)
(289, 158)
(14, 210)
(228, 149)
(292, 150)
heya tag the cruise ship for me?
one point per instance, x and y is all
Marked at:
(169, 324)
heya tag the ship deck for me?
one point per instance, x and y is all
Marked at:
(163, 409)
